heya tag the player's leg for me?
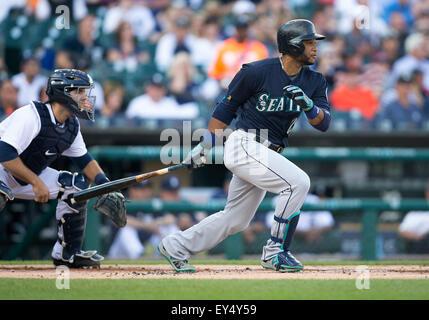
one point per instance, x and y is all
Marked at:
(71, 224)
(272, 172)
(242, 202)
(71, 219)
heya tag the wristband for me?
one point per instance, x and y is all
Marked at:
(313, 113)
(100, 179)
(324, 125)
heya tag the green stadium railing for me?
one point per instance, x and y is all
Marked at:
(306, 153)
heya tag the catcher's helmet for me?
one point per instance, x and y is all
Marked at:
(291, 34)
(62, 83)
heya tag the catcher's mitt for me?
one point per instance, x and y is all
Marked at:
(113, 206)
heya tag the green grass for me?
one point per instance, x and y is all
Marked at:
(198, 289)
(171, 289)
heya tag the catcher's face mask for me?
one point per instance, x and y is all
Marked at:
(82, 102)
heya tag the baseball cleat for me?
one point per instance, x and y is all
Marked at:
(178, 265)
(82, 260)
(283, 262)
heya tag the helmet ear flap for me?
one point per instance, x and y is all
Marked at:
(296, 49)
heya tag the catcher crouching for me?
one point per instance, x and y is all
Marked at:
(33, 137)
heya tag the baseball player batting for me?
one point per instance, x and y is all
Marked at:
(268, 96)
(33, 137)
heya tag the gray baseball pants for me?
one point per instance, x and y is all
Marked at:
(257, 169)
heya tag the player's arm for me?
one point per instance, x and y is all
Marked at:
(316, 117)
(90, 168)
(239, 90)
(94, 172)
(12, 162)
(315, 108)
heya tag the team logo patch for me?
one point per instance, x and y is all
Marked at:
(266, 103)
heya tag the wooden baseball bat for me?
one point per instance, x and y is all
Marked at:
(118, 184)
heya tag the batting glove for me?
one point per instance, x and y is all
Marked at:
(299, 97)
(197, 157)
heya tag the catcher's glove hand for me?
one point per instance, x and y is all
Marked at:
(113, 206)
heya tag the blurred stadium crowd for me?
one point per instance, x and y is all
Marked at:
(158, 62)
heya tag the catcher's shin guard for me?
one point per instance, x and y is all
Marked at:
(71, 232)
(71, 225)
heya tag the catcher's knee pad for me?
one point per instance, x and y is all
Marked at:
(5, 195)
(70, 183)
(283, 230)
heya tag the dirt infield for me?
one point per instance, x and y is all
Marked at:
(218, 272)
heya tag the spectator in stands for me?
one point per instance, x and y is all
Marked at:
(82, 49)
(222, 193)
(313, 225)
(404, 7)
(389, 49)
(328, 62)
(8, 97)
(113, 99)
(376, 75)
(325, 20)
(43, 97)
(272, 15)
(420, 8)
(126, 49)
(414, 229)
(135, 13)
(155, 104)
(349, 95)
(178, 40)
(129, 241)
(185, 221)
(419, 94)
(208, 38)
(422, 21)
(398, 26)
(416, 58)
(233, 52)
(181, 78)
(358, 41)
(29, 81)
(402, 109)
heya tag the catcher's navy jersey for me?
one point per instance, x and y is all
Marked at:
(256, 96)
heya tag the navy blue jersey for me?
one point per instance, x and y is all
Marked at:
(255, 95)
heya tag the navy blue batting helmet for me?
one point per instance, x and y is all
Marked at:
(292, 33)
(72, 88)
